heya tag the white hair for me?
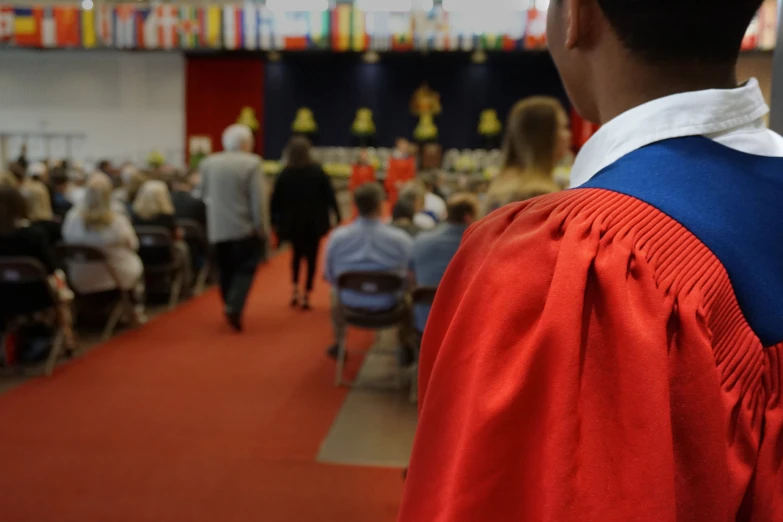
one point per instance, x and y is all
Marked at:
(235, 136)
(37, 170)
(152, 200)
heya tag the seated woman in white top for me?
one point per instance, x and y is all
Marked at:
(94, 223)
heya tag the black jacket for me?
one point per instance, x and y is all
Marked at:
(188, 207)
(301, 204)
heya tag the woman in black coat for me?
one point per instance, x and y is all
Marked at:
(302, 203)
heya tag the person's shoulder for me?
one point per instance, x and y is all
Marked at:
(396, 235)
(342, 232)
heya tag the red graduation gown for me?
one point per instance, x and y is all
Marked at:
(586, 360)
(361, 174)
(400, 171)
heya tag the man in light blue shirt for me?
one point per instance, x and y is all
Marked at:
(366, 245)
(433, 250)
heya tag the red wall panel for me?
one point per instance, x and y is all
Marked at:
(216, 90)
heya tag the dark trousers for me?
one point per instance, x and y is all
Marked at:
(306, 249)
(237, 262)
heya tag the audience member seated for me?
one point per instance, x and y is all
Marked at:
(38, 171)
(402, 217)
(153, 208)
(362, 171)
(538, 136)
(18, 239)
(58, 192)
(17, 173)
(95, 224)
(434, 205)
(367, 244)
(39, 210)
(413, 192)
(185, 205)
(76, 188)
(433, 250)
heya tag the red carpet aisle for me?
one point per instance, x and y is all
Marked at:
(186, 421)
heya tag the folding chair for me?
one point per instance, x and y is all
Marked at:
(24, 284)
(119, 300)
(423, 295)
(368, 283)
(196, 238)
(156, 250)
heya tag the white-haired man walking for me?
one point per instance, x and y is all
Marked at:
(233, 189)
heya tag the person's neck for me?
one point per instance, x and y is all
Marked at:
(371, 217)
(633, 84)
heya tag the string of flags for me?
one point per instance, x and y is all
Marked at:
(252, 26)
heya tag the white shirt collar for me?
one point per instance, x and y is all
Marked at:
(697, 113)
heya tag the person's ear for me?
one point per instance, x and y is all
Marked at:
(573, 32)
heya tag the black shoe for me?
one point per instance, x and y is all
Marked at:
(295, 301)
(332, 351)
(306, 303)
(235, 321)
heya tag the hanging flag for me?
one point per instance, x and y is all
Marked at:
(210, 21)
(318, 33)
(87, 28)
(146, 29)
(442, 31)
(48, 28)
(535, 31)
(167, 22)
(295, 28)
(491, 42)
(6, 24)
(424, 23)
(125, 28)
(188, 28)
(267, 29)
(402, 31)
(67, 29)
(360, 40)
(104, 24)
(250, 29)
(379, 30)
(233, 27)
(341, 28)
(27, 26)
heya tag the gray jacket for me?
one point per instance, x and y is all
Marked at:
(234, 189)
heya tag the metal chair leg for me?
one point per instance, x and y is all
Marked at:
(176, 287)
(54, 353)
(114, 318)
(341, 356)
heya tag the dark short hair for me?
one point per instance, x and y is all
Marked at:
(403, 209)
(704, 31)
(298, 152)
(368, 198)
(461, 205)
(58, 176)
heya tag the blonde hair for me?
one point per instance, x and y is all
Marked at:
(134, 183)
(152, 200)
(7, 179)
(532, 134)
(39, 204)
(96, 206)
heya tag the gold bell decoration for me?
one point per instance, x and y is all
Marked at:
(363, 127)
(489, 128)
(425, 104)
(247, 116)
(304, 123)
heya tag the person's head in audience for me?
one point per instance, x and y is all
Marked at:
(39, 204)
(136, 179)
(58, 180)
(403, 211)
(6, 178)
(18, 172)
(13, 209)
(364, 157)
(537, 136)
(77, 177)
(105, 166)
(153, 200)
(414, 193)
(368, 199)
(299, 153)
(38, 171)
(95, 209)
(182, 182)
(463, 209)
(402, 147)
(238, 138)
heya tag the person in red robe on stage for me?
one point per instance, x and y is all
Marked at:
(362, 172)
(401, 170)
(615, 352)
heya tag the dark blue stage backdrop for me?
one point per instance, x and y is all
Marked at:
(334, 86)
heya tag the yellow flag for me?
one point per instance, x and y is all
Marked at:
(88, 29)
(214, 20)
(358, 31)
